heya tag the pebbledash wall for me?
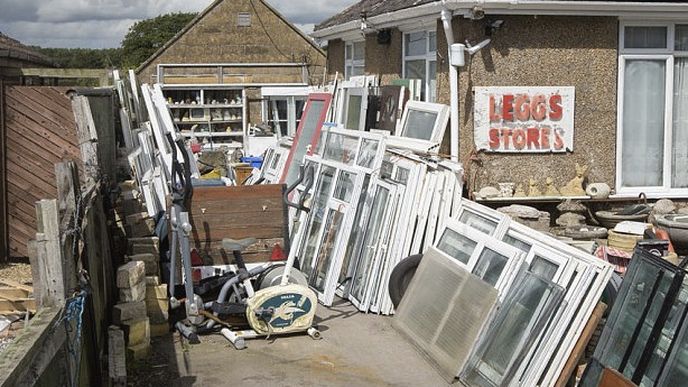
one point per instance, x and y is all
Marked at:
(527, 51)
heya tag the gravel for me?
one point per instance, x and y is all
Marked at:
(19, 272)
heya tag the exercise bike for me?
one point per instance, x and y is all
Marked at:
(273, 298)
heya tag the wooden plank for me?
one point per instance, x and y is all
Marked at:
(11, 293)
(22, 125)
(579, 348)
(16, 285)
(49, 253)
(18, 306)
(4, 235)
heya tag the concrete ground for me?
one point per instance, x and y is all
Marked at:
(356, 350)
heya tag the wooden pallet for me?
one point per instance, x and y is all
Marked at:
(16, 298)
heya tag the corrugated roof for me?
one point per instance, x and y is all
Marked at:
(12, 48)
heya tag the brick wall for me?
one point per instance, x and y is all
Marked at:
(216, 38)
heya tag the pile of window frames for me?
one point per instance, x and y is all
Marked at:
(646, 334)
(370, 207)
(547, 292)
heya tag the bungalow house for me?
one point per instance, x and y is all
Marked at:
(602, 84)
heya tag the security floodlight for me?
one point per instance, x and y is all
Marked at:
(473, 49)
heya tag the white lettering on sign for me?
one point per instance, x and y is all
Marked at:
(524, 119)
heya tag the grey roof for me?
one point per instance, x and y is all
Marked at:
(12, 48)
(379, 7)
(371, 8)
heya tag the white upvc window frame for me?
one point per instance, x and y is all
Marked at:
(350, 62)
(667, 54)
(428, 57)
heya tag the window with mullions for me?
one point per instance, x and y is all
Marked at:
(354, 59)
(420, 61)
(653, 108)
(283, 113)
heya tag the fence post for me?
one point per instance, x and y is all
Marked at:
(49, 268)
(87, 136)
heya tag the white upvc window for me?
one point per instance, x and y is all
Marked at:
(420, 61)
(652, 132)
(354, 59)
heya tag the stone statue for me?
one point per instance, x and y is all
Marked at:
(575, 186)
(533, 190)
(550, 189)
(520, 192)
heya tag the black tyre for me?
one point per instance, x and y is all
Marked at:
(401, 277)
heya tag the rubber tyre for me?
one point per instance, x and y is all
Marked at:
(401, 277)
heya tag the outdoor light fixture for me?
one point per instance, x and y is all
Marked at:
(477, 13)
(458, 50)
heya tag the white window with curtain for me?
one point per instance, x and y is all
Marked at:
(354, 59)
(652, 139)
(420, 61)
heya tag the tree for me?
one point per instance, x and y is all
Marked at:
(147, 36)
(83, 58)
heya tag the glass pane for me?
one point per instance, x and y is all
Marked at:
(679, 143)
(370, 243)
(647, 324)
(415, 69)
(327, 245)
(366, 156)
(544, 268)
(415, 43)
(275, 161)
(490, 265)
(359, 51)
(681, 37)
(642, 153)
(386, 170)
(402, 176)
(630, 312)
(432, 81)
(348, 51)
(677, 369)
(525, 310)
(318, 208)
(345, 186)
(353, 247)
(300, 103)
(456, 245)
(353, 112)
(517, 243)
(341, 148)
(358, 70)
(308, 130)
(478, 222)
(419, 124)
(432, 41)
(645, 37)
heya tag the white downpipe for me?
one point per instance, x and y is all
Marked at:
(446, 17)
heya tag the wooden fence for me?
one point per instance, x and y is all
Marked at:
(39, 131)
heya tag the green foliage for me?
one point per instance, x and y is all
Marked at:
(147, 36)
(84, 58)
(143, 39)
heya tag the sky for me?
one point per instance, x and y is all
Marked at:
(103, 23)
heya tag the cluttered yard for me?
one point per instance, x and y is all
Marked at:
(401, 198)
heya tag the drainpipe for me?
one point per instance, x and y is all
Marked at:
(446, 16)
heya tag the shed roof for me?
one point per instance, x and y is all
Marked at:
(12, 48)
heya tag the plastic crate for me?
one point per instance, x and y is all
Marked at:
(256, 162)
